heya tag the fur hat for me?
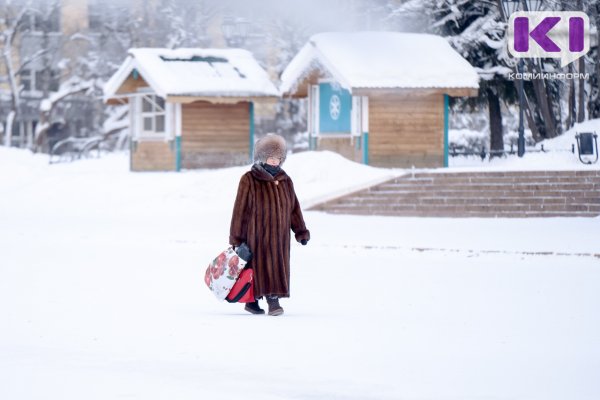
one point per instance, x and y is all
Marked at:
(271, 145)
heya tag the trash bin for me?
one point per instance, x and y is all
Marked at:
(587, 146)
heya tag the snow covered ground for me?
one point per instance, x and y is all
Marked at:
(102, 294)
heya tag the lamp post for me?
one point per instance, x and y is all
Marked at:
(509, 7)
(521, 139)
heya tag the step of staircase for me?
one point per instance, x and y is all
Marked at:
(508, 194)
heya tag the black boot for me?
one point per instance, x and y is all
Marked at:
(254, 308)
(274, 307)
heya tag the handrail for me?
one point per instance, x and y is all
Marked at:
(484, 153)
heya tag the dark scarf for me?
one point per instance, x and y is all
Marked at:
(271, 169)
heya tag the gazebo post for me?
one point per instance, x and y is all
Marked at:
(366, 148)
(251, 112)
(177, 137)
(365, 128)
(446, 116)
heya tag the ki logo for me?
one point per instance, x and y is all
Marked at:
(564, 35)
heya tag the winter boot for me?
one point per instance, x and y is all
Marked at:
(274, 307)
(253, 308)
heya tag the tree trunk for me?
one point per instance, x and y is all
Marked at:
(531, 120)
(572, 103)
(9, 35)
(40, 131)
(530, 117)
(542, 98)
(581, 105)
(594, 102)
(496, 138)
(14, 95)
(8, 129)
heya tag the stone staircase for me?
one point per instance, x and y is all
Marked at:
(477, 194)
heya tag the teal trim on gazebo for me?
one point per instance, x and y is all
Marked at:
(251, 109)
(132, 149)
(177, 153)
(312, 143)
(365, 148)
(446, 109)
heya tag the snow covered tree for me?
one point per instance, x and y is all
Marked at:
(584, 91)
(45, 24)
(13, 22)
(549, 98)
(185, 22)
(63, 66)
(477, 31)
(594, 59)
(48, 105)
(10, 23)
(117, 27)
(169, 23)
(96, 52)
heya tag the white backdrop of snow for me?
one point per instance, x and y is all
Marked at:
(102, 294)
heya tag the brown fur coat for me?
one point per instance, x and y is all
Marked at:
(265, 210)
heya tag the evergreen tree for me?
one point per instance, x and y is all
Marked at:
(594, 62)
(477, 31)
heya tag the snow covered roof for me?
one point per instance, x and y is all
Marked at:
(195, 72)
(381, 60)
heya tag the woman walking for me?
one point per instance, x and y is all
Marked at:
(266, 209)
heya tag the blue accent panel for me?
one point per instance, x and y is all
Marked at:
(177, 153)
(366, 148)
(251, 109)
(136, 74)
(446, 110)
(335, 106)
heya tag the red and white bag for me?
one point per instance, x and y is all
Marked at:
(222, 274)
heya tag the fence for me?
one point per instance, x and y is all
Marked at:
(485, 153)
